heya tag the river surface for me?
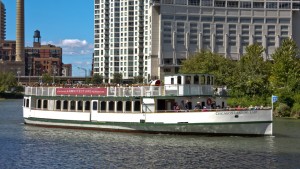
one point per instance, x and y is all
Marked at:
(23, 146)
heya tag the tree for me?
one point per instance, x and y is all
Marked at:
(138, 79)
(206, 62)
(46, 78)
(251, 77)
(97, 79)
(7, 81)
(117, 78)
(285, 73)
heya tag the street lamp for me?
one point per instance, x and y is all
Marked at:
(18, 72)
(54, 72)
(29, 73)
(85, 71)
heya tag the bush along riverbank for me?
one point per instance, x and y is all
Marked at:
(11, 95)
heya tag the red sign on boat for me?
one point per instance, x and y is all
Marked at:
(81, 91)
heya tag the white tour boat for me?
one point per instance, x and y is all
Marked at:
(184, 104)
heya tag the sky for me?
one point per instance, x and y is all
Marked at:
(65, 23)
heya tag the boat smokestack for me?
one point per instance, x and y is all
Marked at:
(20, 31)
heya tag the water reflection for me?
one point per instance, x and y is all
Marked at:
(123, 150)
(23, 146)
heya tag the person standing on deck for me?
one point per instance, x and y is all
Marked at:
(186, 105)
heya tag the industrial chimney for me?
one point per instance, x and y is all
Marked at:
(20, 31)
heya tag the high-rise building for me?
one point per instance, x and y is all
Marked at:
(152, 37)
(2, 21)
(122, 38)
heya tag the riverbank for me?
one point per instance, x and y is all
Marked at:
(11, 96)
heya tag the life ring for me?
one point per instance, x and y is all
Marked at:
(208, 101)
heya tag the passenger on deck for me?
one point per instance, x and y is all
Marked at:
(197, 106)
(186, 105)
(176, 107)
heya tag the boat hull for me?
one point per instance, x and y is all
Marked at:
(259, 128)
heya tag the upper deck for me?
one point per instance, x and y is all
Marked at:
(143, 91)
(176, 85)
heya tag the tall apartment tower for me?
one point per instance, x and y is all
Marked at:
(152, 37)
(122, 38)
(2, 21)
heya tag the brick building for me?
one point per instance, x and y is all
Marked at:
(41, 59)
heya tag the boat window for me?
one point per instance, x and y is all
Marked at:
(196, 79)
(103, 105)
(208, 80)
(172, 80)
(79, 105)
(203, 80)
(120, 106)
(24, 102)
(188, 80)
(45, 104)
(178, 79)
(58, 105)
(128, 106)
(27, 102)
(39, 104)
(137, 106)
(111, 106)
(95, 106)
(65, 105)
(72, 106)
(87, 105)
(212, 80)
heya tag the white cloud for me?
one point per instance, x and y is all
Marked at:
(74, 43)
(73, 46)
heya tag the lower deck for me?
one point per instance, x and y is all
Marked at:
(122, 105)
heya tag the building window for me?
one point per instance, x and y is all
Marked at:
(219, 3)
(245, 4)
(272, 5)
(258, 4)
(245, 20)
(232, 4)
(284, 20)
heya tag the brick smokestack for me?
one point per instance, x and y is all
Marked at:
(20, 31)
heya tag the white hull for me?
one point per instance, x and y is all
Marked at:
(250, 122)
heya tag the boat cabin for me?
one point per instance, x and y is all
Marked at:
(183, 90)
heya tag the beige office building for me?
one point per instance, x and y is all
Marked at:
(152, 37)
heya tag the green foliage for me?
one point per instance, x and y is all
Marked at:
(283, 110)
(248, 101)
(206, 62)
(97, 79)
(117, 78)
(252, 73)
(138, 79)
(46, 78)
(19, 89)
(286, 96)
(285, 73)
(7, 81)
(295, 110)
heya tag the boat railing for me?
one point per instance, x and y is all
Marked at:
(148, 91)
